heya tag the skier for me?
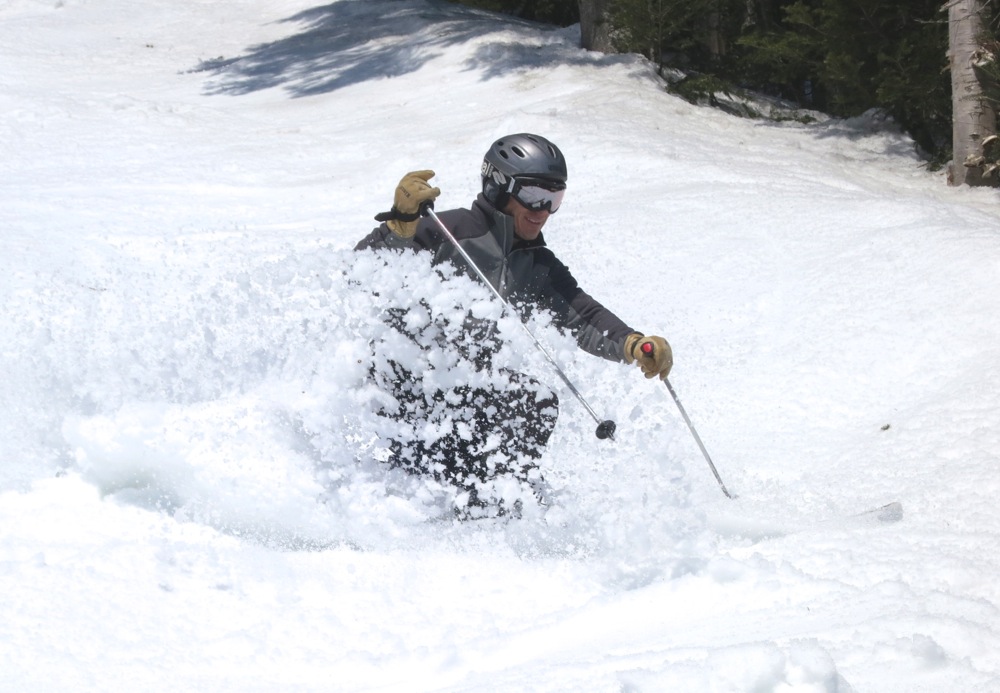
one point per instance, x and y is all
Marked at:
(503, 429)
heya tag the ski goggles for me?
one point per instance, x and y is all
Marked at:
(538, 195)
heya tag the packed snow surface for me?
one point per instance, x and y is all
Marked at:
(190, 491)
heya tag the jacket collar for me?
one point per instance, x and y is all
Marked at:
(502, 226)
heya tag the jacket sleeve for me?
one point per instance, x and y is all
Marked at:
(597, 330)
(427, 237)
(382, 237)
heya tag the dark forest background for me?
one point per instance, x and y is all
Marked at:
(840, 57)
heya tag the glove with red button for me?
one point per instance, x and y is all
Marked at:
(652, 354)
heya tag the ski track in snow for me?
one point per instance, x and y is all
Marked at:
(189, 494)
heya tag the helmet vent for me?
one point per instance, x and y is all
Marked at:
(520, 152)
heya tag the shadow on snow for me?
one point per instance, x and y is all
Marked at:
(352, 41)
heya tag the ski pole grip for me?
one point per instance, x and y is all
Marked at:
(647, 349)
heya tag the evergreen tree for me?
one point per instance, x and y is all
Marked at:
(847, 56)
(657, 29)
(559, 12)
(842, 57)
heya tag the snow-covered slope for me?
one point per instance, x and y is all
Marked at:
(188, 499)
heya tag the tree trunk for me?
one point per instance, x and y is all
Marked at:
(760, 14)
(973, 117)
(595, 25)
(715, 41)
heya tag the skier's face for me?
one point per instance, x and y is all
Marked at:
(528, 223)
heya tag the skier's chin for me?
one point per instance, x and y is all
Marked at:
(529, 231)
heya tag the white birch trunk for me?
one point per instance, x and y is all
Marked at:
(973, 117)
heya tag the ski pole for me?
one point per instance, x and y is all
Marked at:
(606, 428)
(647, 349)
(697, 438)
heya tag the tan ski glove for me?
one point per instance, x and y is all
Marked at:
(652, 354)
(412, 193)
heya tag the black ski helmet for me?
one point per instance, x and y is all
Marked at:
(520, 156)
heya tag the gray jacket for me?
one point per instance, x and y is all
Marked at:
(526, 273)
